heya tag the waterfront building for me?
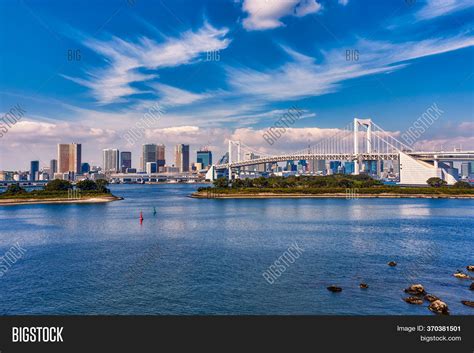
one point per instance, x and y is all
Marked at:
(85, 168)
(34, 169)
(125, 161)
(334, 166)
(349, 168)
(466, 169)
(205, 158)
(151, 167)
(111, 160)
(182, 157)
(69, 157)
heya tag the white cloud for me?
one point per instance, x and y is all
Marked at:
(436, 8)
(266, 14)
(125, 60)
(302, 77)
(173, 96)
(343, 2)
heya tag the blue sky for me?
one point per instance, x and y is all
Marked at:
(271, 55)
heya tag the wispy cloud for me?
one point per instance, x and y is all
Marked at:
(266, 14)
(125, 59)
(437, 8)
(302, 77)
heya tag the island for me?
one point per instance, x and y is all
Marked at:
(59, 191)
(330, 186)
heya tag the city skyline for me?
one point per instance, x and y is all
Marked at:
(95, 88)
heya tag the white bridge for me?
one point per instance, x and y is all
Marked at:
(361, 141)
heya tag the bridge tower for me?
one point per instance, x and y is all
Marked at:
(367, 123)
(231, 143)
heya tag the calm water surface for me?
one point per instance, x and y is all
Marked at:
(207, 256)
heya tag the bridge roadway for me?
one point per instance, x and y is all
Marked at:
(425, 156)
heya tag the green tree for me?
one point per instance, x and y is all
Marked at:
(15, 189)
(221, 183)
(87, 185)
(462, 185)
(102, 185)
(58, 185)
(436, 182)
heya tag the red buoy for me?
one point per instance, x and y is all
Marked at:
(141, 217)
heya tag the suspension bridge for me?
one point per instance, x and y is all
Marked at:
(362, 140)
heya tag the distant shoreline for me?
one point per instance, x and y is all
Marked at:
(59, 200)
(267, 195)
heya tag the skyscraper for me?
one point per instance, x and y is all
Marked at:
(160, 156)
(85, 168)
(53, 168)
(111, 160)
(182, 157)
(205, 158)
(125, 161)
(34, 168)
(148, 155)
(69, 157)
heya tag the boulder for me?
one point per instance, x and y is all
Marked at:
(431, 298)
(461, 275)
(468, 303)
(439, 307)
(413, 300)
(334, 289)
(415, 289)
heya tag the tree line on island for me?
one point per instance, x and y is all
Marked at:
(60, 188)
(335, 183)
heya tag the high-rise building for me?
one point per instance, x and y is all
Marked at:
(125, 161)
(53, 168)
(205, 158)
(85, 168)
(182, 157)
(34, 169)
(160, 156)
(111, 160)
(69, 157)
(149, 154)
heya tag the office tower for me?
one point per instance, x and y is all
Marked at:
(125, 161)
(69, 157)
(53, 168)
(182, 157)
(110, 160)
(151, 167)
(349, 168)
(205, 158)
(34, 169)
(148, 155)
(85, 168)
(466, 169)
(160, 156)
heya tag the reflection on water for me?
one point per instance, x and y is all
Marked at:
(207, 256)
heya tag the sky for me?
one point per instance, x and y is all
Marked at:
(88, 72)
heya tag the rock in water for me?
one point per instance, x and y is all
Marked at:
(431, 298)
(461, 275)
(439, 307)
(392, 263)
(334, 289)
(364, 285)
(416, 289)
(413, 300)
(470, 268)
(472, 286)
(468, 303)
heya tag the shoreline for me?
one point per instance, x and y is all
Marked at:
(91, 199)
(267, 195)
